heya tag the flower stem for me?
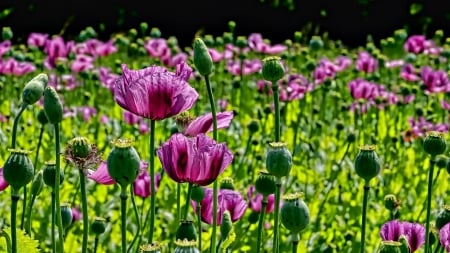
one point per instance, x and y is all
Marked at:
(276, 215)
(95, 244)
(15, 124)
(14, 199)
(57, 183)
(138, 220)
(199, 224)
(295, 240)
(178, 202)
(152, 180)
(123, 214)
(188, 199)
(276, 101)
(262, 213)
(84, 210)
(29, 210)
(215, 184)
(364, 213)
(430, 185)
(24, 207)
(53, 223)
(8, 240)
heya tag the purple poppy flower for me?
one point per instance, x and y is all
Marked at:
(87, 112)
(76, 214)
(366, 63)
(444, 237)
(248, 67)
(445, 105)
(416, 44)
(391, 231)
(414, 232)
(107, 79)
(408, 73)
(141, 185)
(131, 118)
(3, 183)
(198, 160)
(435, 81)
(37, 39)
(82, 63)
(257, 44)
(203, 124)
(216, 56)
(13, 67)
(227, 200)
(157, 48)
(154, 92)
(255, 200)
(56, 48)
(4, 47)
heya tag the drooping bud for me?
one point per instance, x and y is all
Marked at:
(443, 217)
(37, 184)
(98, 227)
(294, 213)
(278, 160)
(66, 215)
(186, 230)
(150, 248)
(226, 225)
(52, 106)
(18, 170)
(34, 89)
(367, 162)
(198, 193)
(265, 183)
(434, 143)
(202, 59)
(123, 162)
(390, 247)
(227, 183)
(186, 246)
(49, 174)
(272, 69)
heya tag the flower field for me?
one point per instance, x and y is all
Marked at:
(234, 144)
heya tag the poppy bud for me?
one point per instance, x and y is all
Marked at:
(49, 174)
(18, 170)
(278, 160)
(42, 118)
(441, 162)
(265, 183)
(7, 33)
(443, 217)
(155, 32)
(253, 217)
(434, 143)
(66, 215)
(34, 89)
(391, 202)
(98, 227)
(315, 43)
(253, 126)
(226, 225)
(185, 246)
(294, 213)
(241, 42)
(405, 244)
(81, 147)
(227, 183)
(186, 230)
(154, 248)
(202, 58)
(197, 193)
(123, 162)
(37, 184)
(390, 247)
(367, 163)
(272, 69)
(52, 106)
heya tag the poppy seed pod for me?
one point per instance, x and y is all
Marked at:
(37, 184)
(434, 143)
(227, 183)
(390, 247)
(18, 170)
(42, 118)
(49, 174)
(202, 58)
(391, 202)
(153, 248)
(226, 225)
(81, 147)
(272, 69)
(367, 162)
(34, 89)
(66, 215)
(265, 183)
(98, 227)
(186, 230)
(443, 217)
(123, 162)
(253, 126)
(186, 246)
(278, 160)
(198, 193)
(294, 213)
(52, 106)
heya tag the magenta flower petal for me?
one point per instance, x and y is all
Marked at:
(3, 183)
(101, 175)
(203, 124)
(415, 233)
(391, 231)
(444, 237)
(142, 184)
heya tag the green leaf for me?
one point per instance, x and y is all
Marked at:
(25, 244)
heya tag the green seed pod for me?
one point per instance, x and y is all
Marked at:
(294, 213)
(186, 246)
(98, 227)
(443, 217)
(37, 184)
(18, 170)
(241, 42)
(315, 43)
(253, 126)
(272, 69)
(52, 106)
(66, 215)
(405, 244)
(367, 163)
(351, 137)
(49, 174)
(441, 162)
(265, 183)
(186, 230)
(197, 193)
(153, 248)
(42, 118)
(390, 247)
(226, 225)
(434, 143)
(298, 36)
(253, 217)
(202, 59)
(227, 183)
(278, 160)
(231, 25)
(390, 202)
(34, 89)
(7, 33)
(81, 147)
(123, 162)
(144, 27)
(155, 32)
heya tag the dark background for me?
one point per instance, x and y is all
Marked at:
(347, 20)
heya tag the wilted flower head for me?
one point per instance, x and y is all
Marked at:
(414, 232)
(154, 92)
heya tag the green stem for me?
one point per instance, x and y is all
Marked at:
(84, 207)
(215, 184)
(188, 199)
(8, 240)
(95, 244)
(276, 100)
(430, 185)
(199, 224)
(57, 183)
(14, 199)
(262, 212)
(178, 203)
(438, 247)
(15, 124)
(152, 180)
(276, 215)
(24, 207)
(138, 220)
(29, 221)
(364, 213)
(53, 223)
(295, 240)
(123, 214)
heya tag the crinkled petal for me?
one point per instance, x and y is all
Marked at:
(204, 124)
